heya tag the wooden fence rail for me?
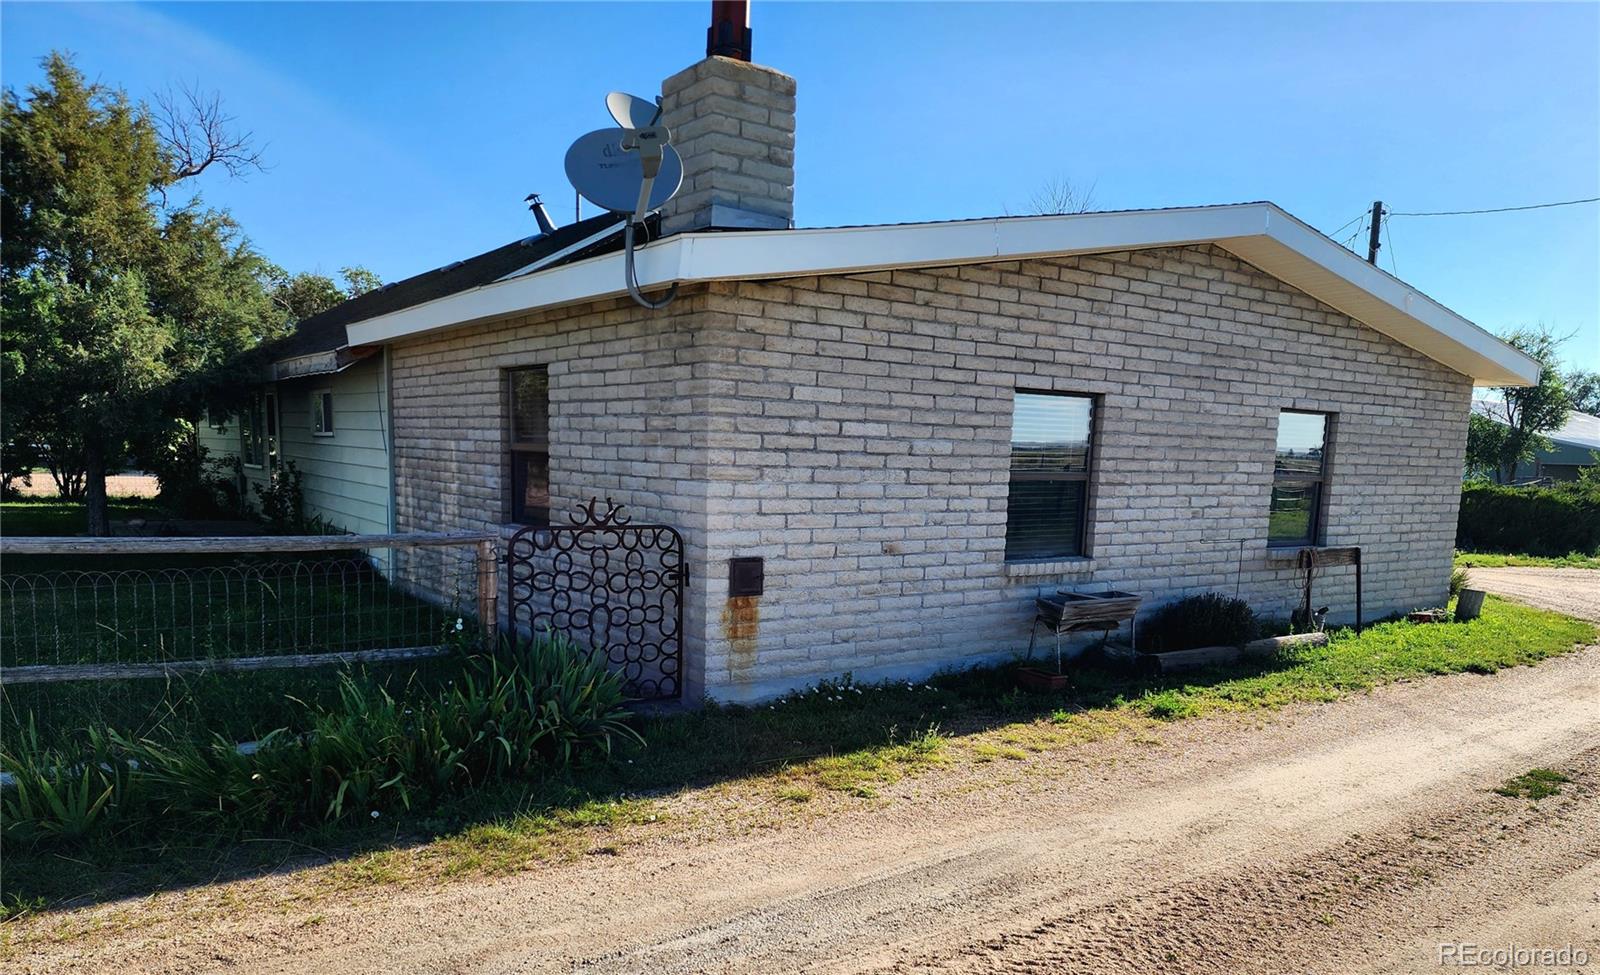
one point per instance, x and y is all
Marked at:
(224, 545)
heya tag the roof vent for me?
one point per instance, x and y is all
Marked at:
(546, 225)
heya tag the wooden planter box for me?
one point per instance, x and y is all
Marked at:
(1071, 611)
(1176, 660)
(1036, 679)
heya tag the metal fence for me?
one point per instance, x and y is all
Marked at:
(77, 609)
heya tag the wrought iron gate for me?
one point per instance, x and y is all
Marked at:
(613, 587)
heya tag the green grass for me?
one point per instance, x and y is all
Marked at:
(1498, 560)
(1534, 784)
(840, 741)
(49, 517)
(1507, 635)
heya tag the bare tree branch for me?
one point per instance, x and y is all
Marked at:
(197, 134)
(1058, 195)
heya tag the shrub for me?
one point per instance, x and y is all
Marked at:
(1530, 520)
(1207, 620)
(283, 501)
(527, 708)
(1458, 581)
(192, 483)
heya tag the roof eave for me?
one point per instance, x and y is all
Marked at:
(1260, 233)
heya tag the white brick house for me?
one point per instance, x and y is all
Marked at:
(919, 428)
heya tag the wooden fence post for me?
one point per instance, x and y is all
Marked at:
(488, 592)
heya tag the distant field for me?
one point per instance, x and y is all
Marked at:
(117, 486)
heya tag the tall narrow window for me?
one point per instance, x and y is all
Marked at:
(322, 413)
(1048, 504)
(1299, 476)
(252, 434)
(528, 441)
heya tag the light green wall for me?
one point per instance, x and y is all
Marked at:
(346, 475)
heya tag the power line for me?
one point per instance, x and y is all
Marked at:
(1335, 233)
(1388, 241)
(1457, 213)
(1349, 242)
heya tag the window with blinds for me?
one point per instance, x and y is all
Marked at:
(1047, 507)
(1299, 479)
(528, 444)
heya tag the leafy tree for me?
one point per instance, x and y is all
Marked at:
(1486, 443)
(113, 305)
(359, 280)
(1583, 388)
(299, 296)
(1525, 413)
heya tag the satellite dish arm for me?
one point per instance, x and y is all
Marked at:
(633, 278)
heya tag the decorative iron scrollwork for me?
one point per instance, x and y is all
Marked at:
(612, 586)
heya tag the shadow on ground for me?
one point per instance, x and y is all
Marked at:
(684, 750)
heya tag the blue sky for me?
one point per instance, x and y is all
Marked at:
(404, 137)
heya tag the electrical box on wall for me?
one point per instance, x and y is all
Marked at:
(746, 576)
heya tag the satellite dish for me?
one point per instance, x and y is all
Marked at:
(631, 111)
(612, 177)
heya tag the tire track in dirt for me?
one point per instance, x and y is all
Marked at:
(1227, 844)
(1334, 911)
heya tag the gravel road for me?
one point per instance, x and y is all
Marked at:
(1350, 837)
(1575, 592)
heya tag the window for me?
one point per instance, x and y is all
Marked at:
(1048, 504)
(1299, 476)
(253, 434)
(322, 413)
(528, 443)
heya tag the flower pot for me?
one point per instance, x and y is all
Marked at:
(1034, 679)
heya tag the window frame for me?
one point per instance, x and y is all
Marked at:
(1315, 531)
(322, 413)
(252, 432)
(1085, 477)
(517, 450)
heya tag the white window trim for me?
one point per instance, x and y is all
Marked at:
(316, 411)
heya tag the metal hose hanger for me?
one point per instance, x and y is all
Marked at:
(633, 279)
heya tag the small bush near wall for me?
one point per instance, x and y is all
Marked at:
(1549, 521)
(1207, 620)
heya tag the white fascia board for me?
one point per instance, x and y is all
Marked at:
(1498, 363)
(689, 258)
(1260, 233)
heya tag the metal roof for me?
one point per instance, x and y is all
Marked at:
(1581, 430)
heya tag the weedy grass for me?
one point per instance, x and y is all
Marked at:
(839, 739)
(1534, 784)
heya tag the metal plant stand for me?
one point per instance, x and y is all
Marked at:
(1078, 612)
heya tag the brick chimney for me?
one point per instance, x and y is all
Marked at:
(733, 124)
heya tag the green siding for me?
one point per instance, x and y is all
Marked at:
(346, 475)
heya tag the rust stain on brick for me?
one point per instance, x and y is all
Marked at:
(741, 624)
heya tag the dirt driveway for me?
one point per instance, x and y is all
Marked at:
(1350, 837)
(1575, 592)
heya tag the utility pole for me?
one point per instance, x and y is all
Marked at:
(1372, 238)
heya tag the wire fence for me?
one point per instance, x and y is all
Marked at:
(233, 635)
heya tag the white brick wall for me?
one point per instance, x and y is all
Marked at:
(854, 432)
